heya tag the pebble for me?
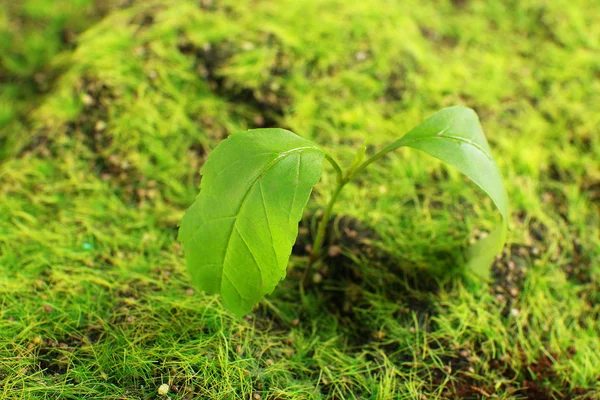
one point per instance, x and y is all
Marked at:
(379, 335)
(317, 278)
(334, 251)
(88, 100)
(361, 56)
(99, 126)
(163, 389)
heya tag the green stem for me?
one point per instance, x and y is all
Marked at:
(342, 180)
(391, 147)
(318, 242)
(336, 166)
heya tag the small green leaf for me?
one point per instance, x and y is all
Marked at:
(454, 135)
(238, 234)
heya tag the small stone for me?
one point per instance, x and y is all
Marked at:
(87, 100)
(351, 233)
(275, 86)
(99, 126)
(334, 251)
(259, 120)
(511, 265)
(412, 329)
(296, 322)
(361, 56)
(379, 335)
(514, 312)
(189, 292)
(163, 389)
(317, 278)
(247, 46)
(256, 396)
(514, 292)
(465, 353)
(547, 197)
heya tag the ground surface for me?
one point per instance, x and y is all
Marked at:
(108, 109)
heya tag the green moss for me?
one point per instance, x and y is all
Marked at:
(101, 156)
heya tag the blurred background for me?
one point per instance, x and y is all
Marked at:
(108, 109)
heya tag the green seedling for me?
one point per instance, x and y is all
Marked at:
(238, 234)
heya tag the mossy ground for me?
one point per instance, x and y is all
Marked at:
(108, 109)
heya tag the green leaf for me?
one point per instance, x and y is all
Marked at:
(454, 135)
(238, 234)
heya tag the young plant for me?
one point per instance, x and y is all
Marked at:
(238, 234)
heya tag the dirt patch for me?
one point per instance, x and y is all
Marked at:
(592, 188)
(396, 85)
(52, 355)
(535, 380)
(437, 38)
(508, 274)
(346, 289)
(266, 103)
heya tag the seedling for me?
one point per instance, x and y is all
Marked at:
(238, 234)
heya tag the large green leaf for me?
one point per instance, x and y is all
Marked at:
(454, 135)
(239, 233)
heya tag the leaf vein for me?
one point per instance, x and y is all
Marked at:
(251, 253)
(452, 137)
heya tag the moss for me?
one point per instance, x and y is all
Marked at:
(101, 156)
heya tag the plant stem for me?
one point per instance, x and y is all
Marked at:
(391, 147)
(342, 180)
(318, 242)
(336, 166)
